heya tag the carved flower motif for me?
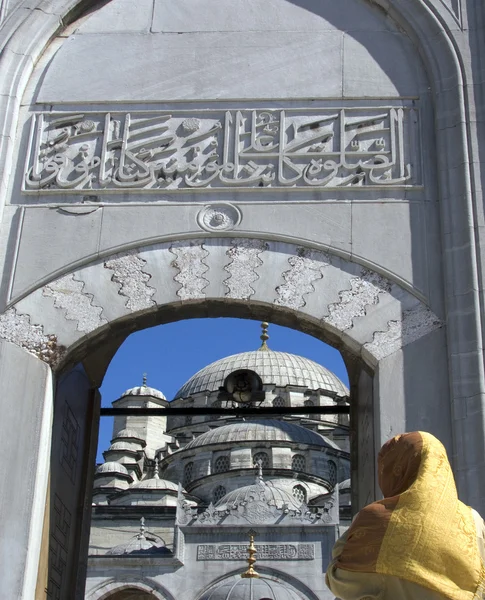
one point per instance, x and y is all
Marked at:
(191, 125)
(219, 217)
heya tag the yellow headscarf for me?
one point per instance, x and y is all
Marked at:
(420, 531)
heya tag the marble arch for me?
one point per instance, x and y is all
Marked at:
(112, 589)
(446, 368)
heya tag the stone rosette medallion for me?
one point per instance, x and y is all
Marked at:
(219, 217)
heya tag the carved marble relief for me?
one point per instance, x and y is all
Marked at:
(305, 268)
(364, 291)
(246, 259)
(189, 262)
(244, 267)
(17, 328)
(264, 551)
(68, 294)
(133, 281)
(331, 147)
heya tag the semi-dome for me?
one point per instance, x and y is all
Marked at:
(278, 368)
(261, 430)
(112, 467)
(251, 589)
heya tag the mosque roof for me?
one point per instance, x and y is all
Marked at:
(251, 589)
(142, 543)
(278, 368)
(267, 491)
(155, 484)
(144, 390)
(111, 467)
(257, 430)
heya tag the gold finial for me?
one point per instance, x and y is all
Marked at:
(251, 560)
(264, 336)
(144, 384)
(155, 474)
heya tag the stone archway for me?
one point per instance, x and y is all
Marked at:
(136, 589)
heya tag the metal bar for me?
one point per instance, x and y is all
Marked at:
(241, 410)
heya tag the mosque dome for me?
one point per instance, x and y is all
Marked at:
(268, 491)
(112, 467)
(251, 589)
(156, 484)
(259, 430)
(142, 543)
(278, 368)
(128, 434)
(143, 390)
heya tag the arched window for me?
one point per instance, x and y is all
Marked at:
(261, 458)
(308, 403)
(222, 464)
(188, 473)
(218, 494)
(188, 420)
(278, 402)
(332, 472)
(299, 493)
(298, 463)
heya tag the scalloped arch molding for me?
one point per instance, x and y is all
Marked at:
(368, 312)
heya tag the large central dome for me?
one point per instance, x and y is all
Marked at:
(278, 368)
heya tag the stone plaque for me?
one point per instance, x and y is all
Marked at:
(328, 147)
(263, 551)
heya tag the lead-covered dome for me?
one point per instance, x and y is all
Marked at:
(278, 368)
(261, 430)
(251, 589)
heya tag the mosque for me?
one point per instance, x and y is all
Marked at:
(182, 504)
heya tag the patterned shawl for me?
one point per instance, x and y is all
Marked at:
(420, 531)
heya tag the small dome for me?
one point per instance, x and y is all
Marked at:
(278, 368)
(251, 589)
(261, 430)
(143, 390)
(156, 484)
(130, 434)
(143, 543)
(112, 467)
(344, 486)
(124, 445)
(267, 491)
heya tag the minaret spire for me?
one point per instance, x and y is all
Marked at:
(264, 336)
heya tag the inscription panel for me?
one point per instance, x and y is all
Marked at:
(263, 551)
(331, 147)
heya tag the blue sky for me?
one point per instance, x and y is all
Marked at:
(170, 354)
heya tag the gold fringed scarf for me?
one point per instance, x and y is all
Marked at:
(420, 531)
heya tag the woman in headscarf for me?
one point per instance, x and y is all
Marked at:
(419, 542)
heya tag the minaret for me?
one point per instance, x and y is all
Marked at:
(151, 429)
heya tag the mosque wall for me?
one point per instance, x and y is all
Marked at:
(380, 259)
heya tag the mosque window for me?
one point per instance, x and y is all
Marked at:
(299, 493)
(308, 403)
(332, 472)
(188, 420)
(261, 458)
(298, 463)
(278, 402)
(219, 493)
(188, 473)
(222, 464)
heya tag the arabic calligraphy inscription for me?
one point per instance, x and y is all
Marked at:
(246, 148)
